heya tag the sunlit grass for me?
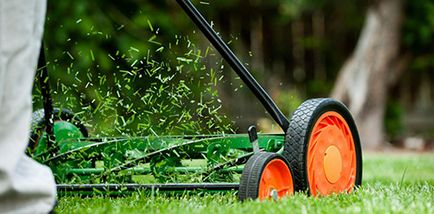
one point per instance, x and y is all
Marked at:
(398, 183)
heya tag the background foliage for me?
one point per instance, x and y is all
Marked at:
(137, 67)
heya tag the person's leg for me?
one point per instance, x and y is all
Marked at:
(25, 185)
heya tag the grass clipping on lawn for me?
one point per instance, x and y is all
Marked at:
(393, 183)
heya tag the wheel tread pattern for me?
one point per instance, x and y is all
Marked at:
(252, 172)
(297, 137)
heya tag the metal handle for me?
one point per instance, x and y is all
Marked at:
(47, 100)
(253, 137)
(235, 63)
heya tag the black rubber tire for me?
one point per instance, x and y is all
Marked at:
(252, 172)
(298, 136)
(38, 123)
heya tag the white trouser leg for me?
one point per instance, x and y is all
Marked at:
(25, 185)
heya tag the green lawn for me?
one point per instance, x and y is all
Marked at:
(392, 183)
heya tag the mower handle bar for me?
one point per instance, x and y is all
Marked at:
(235, 63)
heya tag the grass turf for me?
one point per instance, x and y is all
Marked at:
(392, 183)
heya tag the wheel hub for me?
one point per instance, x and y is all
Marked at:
(331, 156)
(332, 164)
(273, 194)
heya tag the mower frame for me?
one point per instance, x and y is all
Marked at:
(129, 156)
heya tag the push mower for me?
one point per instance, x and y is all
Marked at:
(319, 152)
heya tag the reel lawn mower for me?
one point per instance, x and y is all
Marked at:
(319, 152)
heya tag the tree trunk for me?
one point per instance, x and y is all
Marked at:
(364, 79)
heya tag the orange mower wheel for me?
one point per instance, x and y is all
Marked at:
(266, 176)
(323, 147)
